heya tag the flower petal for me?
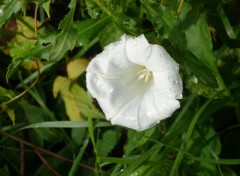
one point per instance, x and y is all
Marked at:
(112, 61)
(159, 60)
(138, 49)
(168, 83)
(155, 107)
(128, 115)
(144, 111)
(114, 94)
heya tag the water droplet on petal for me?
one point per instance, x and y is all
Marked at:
(179, 96)
(175, 82)
(149, 114)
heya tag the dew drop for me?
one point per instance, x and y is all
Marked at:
(150, 114)
(175, 82)
(179, 96)
(162, 55)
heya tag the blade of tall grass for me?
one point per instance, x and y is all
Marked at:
(187, 137)
(77, 161)
(64, 124)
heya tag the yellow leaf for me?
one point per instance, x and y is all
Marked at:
(84, 102)
(11, 115)
(60, 83)
(9, 111)
(72, 109)
(76, 67)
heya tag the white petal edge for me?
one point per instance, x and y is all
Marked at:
(112, 61)
(138, 49)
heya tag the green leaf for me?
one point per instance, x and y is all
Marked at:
(43, 47)
(65, 124)
(78, 135)
(6, 92)
(6, 11)
(136, 140)
(109, 34)
(199, 40)
(107, 143)
(192, 65)
(204, 74)
(46, 6)
(36, 115)
(92, 8)
(66, 39)
(12, 68)
(11, 115)
(9, 111)
(89, 29)
(21, 50)
(165, 22)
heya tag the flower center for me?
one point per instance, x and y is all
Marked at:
(144, 74)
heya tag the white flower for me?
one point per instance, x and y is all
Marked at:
(135, 83)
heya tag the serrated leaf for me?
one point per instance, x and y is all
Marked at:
(43, 47)
(89, 29)
(107, 143)
(76, 67)
(85, 102)
(6, 11)
(66, 39)
(21, 50)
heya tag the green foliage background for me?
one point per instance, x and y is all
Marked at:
(56, 128)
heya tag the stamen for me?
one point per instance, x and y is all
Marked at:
(144, 74)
